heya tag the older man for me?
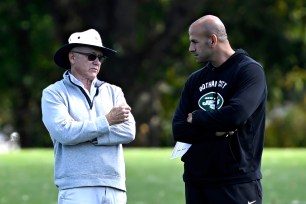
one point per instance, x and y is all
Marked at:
(221, 113)
(88, 121)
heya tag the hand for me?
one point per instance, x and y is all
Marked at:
(118, 114)
(189, 118)
(225, 133)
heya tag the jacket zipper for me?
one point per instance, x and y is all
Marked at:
(97, 85)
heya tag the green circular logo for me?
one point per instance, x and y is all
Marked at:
(211, 101)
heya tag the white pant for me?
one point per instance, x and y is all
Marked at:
(92, 195)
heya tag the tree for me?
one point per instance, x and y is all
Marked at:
(152, 64)
(26, 36)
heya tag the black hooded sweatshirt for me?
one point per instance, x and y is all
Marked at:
(231, 97)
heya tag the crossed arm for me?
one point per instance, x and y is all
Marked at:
(194, 126)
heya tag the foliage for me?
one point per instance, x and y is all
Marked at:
(153, 62)
(152, 178)
(26, 36)
(286, 121)
(286, 126)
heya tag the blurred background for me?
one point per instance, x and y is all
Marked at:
(152, 64)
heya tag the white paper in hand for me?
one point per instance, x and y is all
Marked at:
(179, 149)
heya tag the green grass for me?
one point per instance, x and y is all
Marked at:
(284, 176)
(26, 176)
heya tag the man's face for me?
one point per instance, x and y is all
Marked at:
(199, 44)
(82, 66)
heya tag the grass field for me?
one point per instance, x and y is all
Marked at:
(152, 178)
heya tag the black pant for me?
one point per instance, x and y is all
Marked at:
(244, 193)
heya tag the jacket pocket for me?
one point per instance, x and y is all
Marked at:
(234, 147)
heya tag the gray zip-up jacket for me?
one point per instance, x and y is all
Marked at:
(87, 150)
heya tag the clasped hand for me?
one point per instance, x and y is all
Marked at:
(118, 114)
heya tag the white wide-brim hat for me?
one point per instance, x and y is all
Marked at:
(89, 38)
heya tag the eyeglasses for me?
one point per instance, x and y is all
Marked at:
(92, 57)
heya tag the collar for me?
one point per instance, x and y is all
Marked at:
(75, 81)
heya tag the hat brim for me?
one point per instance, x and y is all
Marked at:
(61, 56)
